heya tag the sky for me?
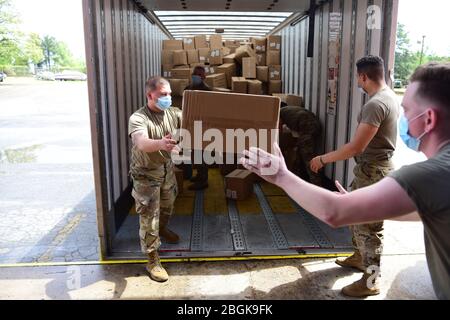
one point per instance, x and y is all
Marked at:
(63, 19)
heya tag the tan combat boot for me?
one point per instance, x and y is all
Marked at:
(154, 267)
(355, 262)
(360, 288)
(164, 232)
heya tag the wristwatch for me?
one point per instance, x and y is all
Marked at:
(321, 161)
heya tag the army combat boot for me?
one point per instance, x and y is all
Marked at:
(355, 262)
(155, 269)
(362, 288)
(164, 232)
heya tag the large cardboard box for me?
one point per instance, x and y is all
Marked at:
(229, 58)
(230, 71)
(215, 57)
(193, 65)
(262, 74)
(290, 99)
(210, 70)
(226, 90)
(241, 121)
(215, 41)
(275, 73)
(254, 87)
(172, 45)
(231, 43)
(275, 86)
(261, 59)
(249, 68)
(178, 86)
(182, 73)
(192, 56)
(225, 51)
(167, 57)
(203, 55)
(239, 184)
(273, 58)
(217, 80)
(274, 43)
(180, 58)
(259, 45)
(200, 42)
(167, 71)
(189, 43)
(239, 85)
(244, 52)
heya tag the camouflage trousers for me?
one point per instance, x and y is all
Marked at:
(154, 198)
(368, 238)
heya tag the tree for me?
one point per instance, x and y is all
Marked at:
(9, 38)
(405, 60)
(49, 46)
(33, 49)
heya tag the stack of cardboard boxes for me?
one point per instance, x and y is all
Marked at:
(251, 67)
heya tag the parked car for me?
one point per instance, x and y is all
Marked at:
(2, 76)
(46, 75)
(68, 75)
(398, 84)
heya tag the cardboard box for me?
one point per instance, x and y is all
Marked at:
(244, 52)
(167, 71)
(215, 41)
(215, 57)
(273, 58)
(239, 184)
(226, 90)
(229, 58)
(192, 56)
(261, 59)
(275, 73)
(210, 70)
(178, 86)
(203, 55)
(254, 87)
(226, 51)
(172, 45)
(239, 85)
(290, 99)
(230, 71)
(274, 43)
(182, 73)
(193, 65)
(275, 86)
(180, 58)
(228, 112)
(200, 42)
(259, 45)
(167, 57)
(179, 175)
(249, 68)
(232, 43)
(217, 80)
(189, 43)
(262, 74)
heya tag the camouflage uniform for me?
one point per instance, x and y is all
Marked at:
(154, 183)
(307, 126)
(368, 238)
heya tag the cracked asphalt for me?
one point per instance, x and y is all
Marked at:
(47, 200)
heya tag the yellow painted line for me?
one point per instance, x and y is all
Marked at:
(170, 260)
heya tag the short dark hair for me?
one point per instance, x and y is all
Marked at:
(434, 84)
(153, 83)
(372, 66)
(198, 69)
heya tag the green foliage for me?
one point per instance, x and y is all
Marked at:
(9, 38)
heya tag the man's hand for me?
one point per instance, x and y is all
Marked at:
(167, 143)
(270, 167)
(316, 164)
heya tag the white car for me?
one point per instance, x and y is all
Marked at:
(70, 75)
(46, 75)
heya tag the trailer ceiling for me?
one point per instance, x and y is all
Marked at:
(239, 19)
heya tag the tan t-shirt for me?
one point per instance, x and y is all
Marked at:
(157, 125)
(381, 111)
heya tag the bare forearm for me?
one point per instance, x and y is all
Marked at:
(149, 145)
(344, 153)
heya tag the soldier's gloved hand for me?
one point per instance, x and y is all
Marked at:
(167, 143)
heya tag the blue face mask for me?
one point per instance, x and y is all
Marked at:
(164, 103)
(196, 80)
(411, 142)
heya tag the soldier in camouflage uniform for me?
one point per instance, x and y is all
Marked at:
(306, 128)
(152, 170)
(373, 147)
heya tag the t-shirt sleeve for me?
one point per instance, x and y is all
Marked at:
(373, 113)
(136, 123)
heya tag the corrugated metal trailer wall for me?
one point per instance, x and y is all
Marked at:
(123, 49)
(308, 77)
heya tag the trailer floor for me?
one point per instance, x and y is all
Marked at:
(209, 225)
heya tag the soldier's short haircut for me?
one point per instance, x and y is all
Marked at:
(372, 66)
(153, 84)
(434, 85)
